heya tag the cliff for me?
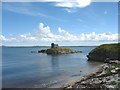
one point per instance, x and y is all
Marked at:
(105, 52)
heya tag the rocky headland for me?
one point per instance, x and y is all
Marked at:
(105, 52)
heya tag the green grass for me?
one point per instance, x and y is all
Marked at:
(115, 65)
(108, 71)
(102, 52)
(113, 82)
(118, 84)
(59, 50)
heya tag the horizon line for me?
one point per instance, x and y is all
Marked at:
(43, 45)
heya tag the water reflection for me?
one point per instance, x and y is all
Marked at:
(55, 62)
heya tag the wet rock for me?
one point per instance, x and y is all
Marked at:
(42, 51)
(113, 71)
(118, 70)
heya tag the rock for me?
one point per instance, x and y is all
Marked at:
(56, 50)
(110, 86)
(114, 61)
(107, 78)
(113, 67)
(69, 87)
(80, 71)
(83, 83)
(117, 69)
(33, 52)
(113, 71)
(105, 67)
(59, 50)
(42, 51)
(101, 74)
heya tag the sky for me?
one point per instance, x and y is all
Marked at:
(78, 23)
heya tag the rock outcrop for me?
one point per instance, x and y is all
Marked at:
(56, 50)
(105, 52)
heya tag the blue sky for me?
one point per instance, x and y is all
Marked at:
(40, 23)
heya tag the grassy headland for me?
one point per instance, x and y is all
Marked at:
(105, 52)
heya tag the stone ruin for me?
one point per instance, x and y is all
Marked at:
(54, 45)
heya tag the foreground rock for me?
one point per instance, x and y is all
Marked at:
(107, 76)
(105, 52)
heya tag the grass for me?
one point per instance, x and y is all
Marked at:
(113, 82)
(118, 84)
(116, 65)
(102, 52)
(108, 71)
(60, 50)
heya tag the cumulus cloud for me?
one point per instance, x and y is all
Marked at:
(44, 34)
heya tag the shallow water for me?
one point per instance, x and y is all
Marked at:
(21, 68)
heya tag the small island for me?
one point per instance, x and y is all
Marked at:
(56, 50)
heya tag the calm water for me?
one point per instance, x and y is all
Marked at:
(21, 68)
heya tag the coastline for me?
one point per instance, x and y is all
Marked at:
(99, 78)
(84, 77)
(72, 80)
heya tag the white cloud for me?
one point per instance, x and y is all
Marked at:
(68, 5)
(73, 3)
(65, 4)
(2, 38)
(83, 3)
(60, 3)
(44, 34)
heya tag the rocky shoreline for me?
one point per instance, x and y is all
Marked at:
(106, 76)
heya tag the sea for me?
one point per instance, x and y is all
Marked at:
(23, 69)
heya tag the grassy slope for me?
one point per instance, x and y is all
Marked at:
(105, 51)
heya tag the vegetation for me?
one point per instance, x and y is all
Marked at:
(55, 50)
(116, 65)
(113, 82)
(60, 51)
(105, 51)
(118, 84)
